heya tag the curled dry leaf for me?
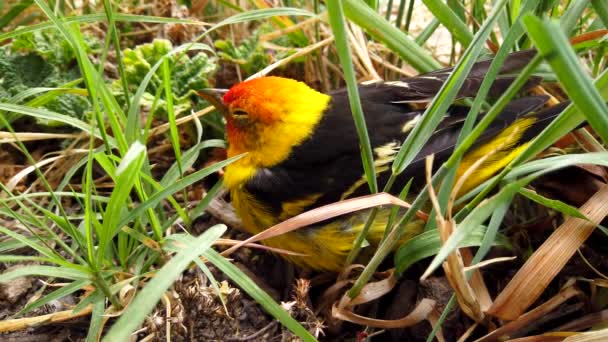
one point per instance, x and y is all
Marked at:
(454, 266)
(420, 313)
(344, 310)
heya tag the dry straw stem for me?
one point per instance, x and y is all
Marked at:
(528, 318)
(56, 317)
(321, 214)
(473, 297)
(454, 265)
(538, 338)
(591, 336)
(7, 137)
(534, 276)
(282, 32)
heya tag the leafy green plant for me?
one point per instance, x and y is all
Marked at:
(43, 59)
(189, 74)
(249, 53)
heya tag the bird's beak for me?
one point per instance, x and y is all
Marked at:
(214, 97)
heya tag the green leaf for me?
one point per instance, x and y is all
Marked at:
(428, 244)
(553, 204)
(450, 20)
(57, 294)
(177, 186)
(188, 159)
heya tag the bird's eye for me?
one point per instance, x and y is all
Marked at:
(239, 113)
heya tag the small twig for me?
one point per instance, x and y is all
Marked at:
(254, 335)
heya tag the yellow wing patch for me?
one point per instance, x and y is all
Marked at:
(296, 207)
(500, 150)
(385, 155)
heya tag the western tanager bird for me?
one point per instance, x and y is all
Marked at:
(302, 150)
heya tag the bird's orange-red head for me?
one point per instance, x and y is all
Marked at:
(266, 118)
(258, 111)
(264, 99)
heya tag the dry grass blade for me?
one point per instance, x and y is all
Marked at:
(321, 214)
(454, 265)
(591, 336)
(7, 137)
(12, 183)
(534, 276)
(284, 31)
(585, 322)
(287, 60)
(9, 325)
(420, 313)
(528, 318)
(230, 242)
(476, 281)
(538, 338)
(179, 121)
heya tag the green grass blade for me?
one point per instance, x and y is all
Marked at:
(396, 40)
(189, 157)
(173, 133)
(601, 7)
(491, 232)
(258, 295)
(93, 18)
(57, 294)
(553, 204)
(483, 211)
(45, 271)
(133, 119)
(45, 114)
(149, 296)
(428, 244)
(97, 319)
(572, 15)
(338, 25)
(450, 20)
(155, 199)
(258, 14)
(14, 12)
(442, 101)
(555, 48)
